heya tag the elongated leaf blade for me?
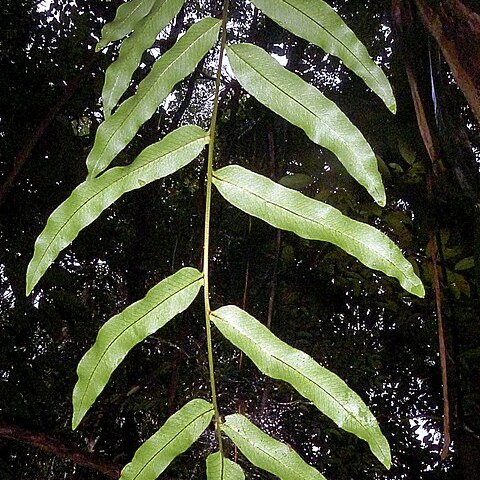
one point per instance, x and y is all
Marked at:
(178, 433)
(125, 330)
(92, 197)
(221, 468)
(290, 210)
(317, 22)
(114, 134)
(119, 73)
(127, 17)
(279, 360)
(267, 453)
(305, 106)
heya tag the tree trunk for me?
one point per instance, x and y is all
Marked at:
(456, 28)
(453, 164)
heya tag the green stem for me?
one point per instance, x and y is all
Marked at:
(206, 244)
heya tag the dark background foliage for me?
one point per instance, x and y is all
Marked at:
(383, 342)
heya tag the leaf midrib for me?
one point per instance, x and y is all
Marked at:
(141, 98)
(134, 170)
(129, 46)
(317, 223)
(339, 40)
(148, 312)
(311, 112)
(210, 410)
(259, 447)
(263, 349)
(124, 21)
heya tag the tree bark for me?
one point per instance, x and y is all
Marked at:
(456, 29)
(59, 449)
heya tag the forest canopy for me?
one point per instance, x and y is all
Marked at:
(413, 361)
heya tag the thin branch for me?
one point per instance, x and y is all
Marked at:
(274, 282)
(57, 448)
(404, 20)
(442, 347)
(188, 95)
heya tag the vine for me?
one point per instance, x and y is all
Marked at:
(139, 22)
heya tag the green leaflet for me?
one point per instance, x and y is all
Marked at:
(303, 105)
(125, 330)
(178, 62)
(178, 433)
(93, 196)
(290, 210)
(267, 453)
(465, 263)
(119, 73)
(317, 22)
(297, 181)
(221, 468)
(127, 17)
(279, 360)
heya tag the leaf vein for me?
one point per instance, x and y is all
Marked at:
(171, 440)
(262, 348)
(339, 232)
(158, 305)
(339, 40)
(141, 98)
(287, 467)
(134, 170)
(332, 131)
